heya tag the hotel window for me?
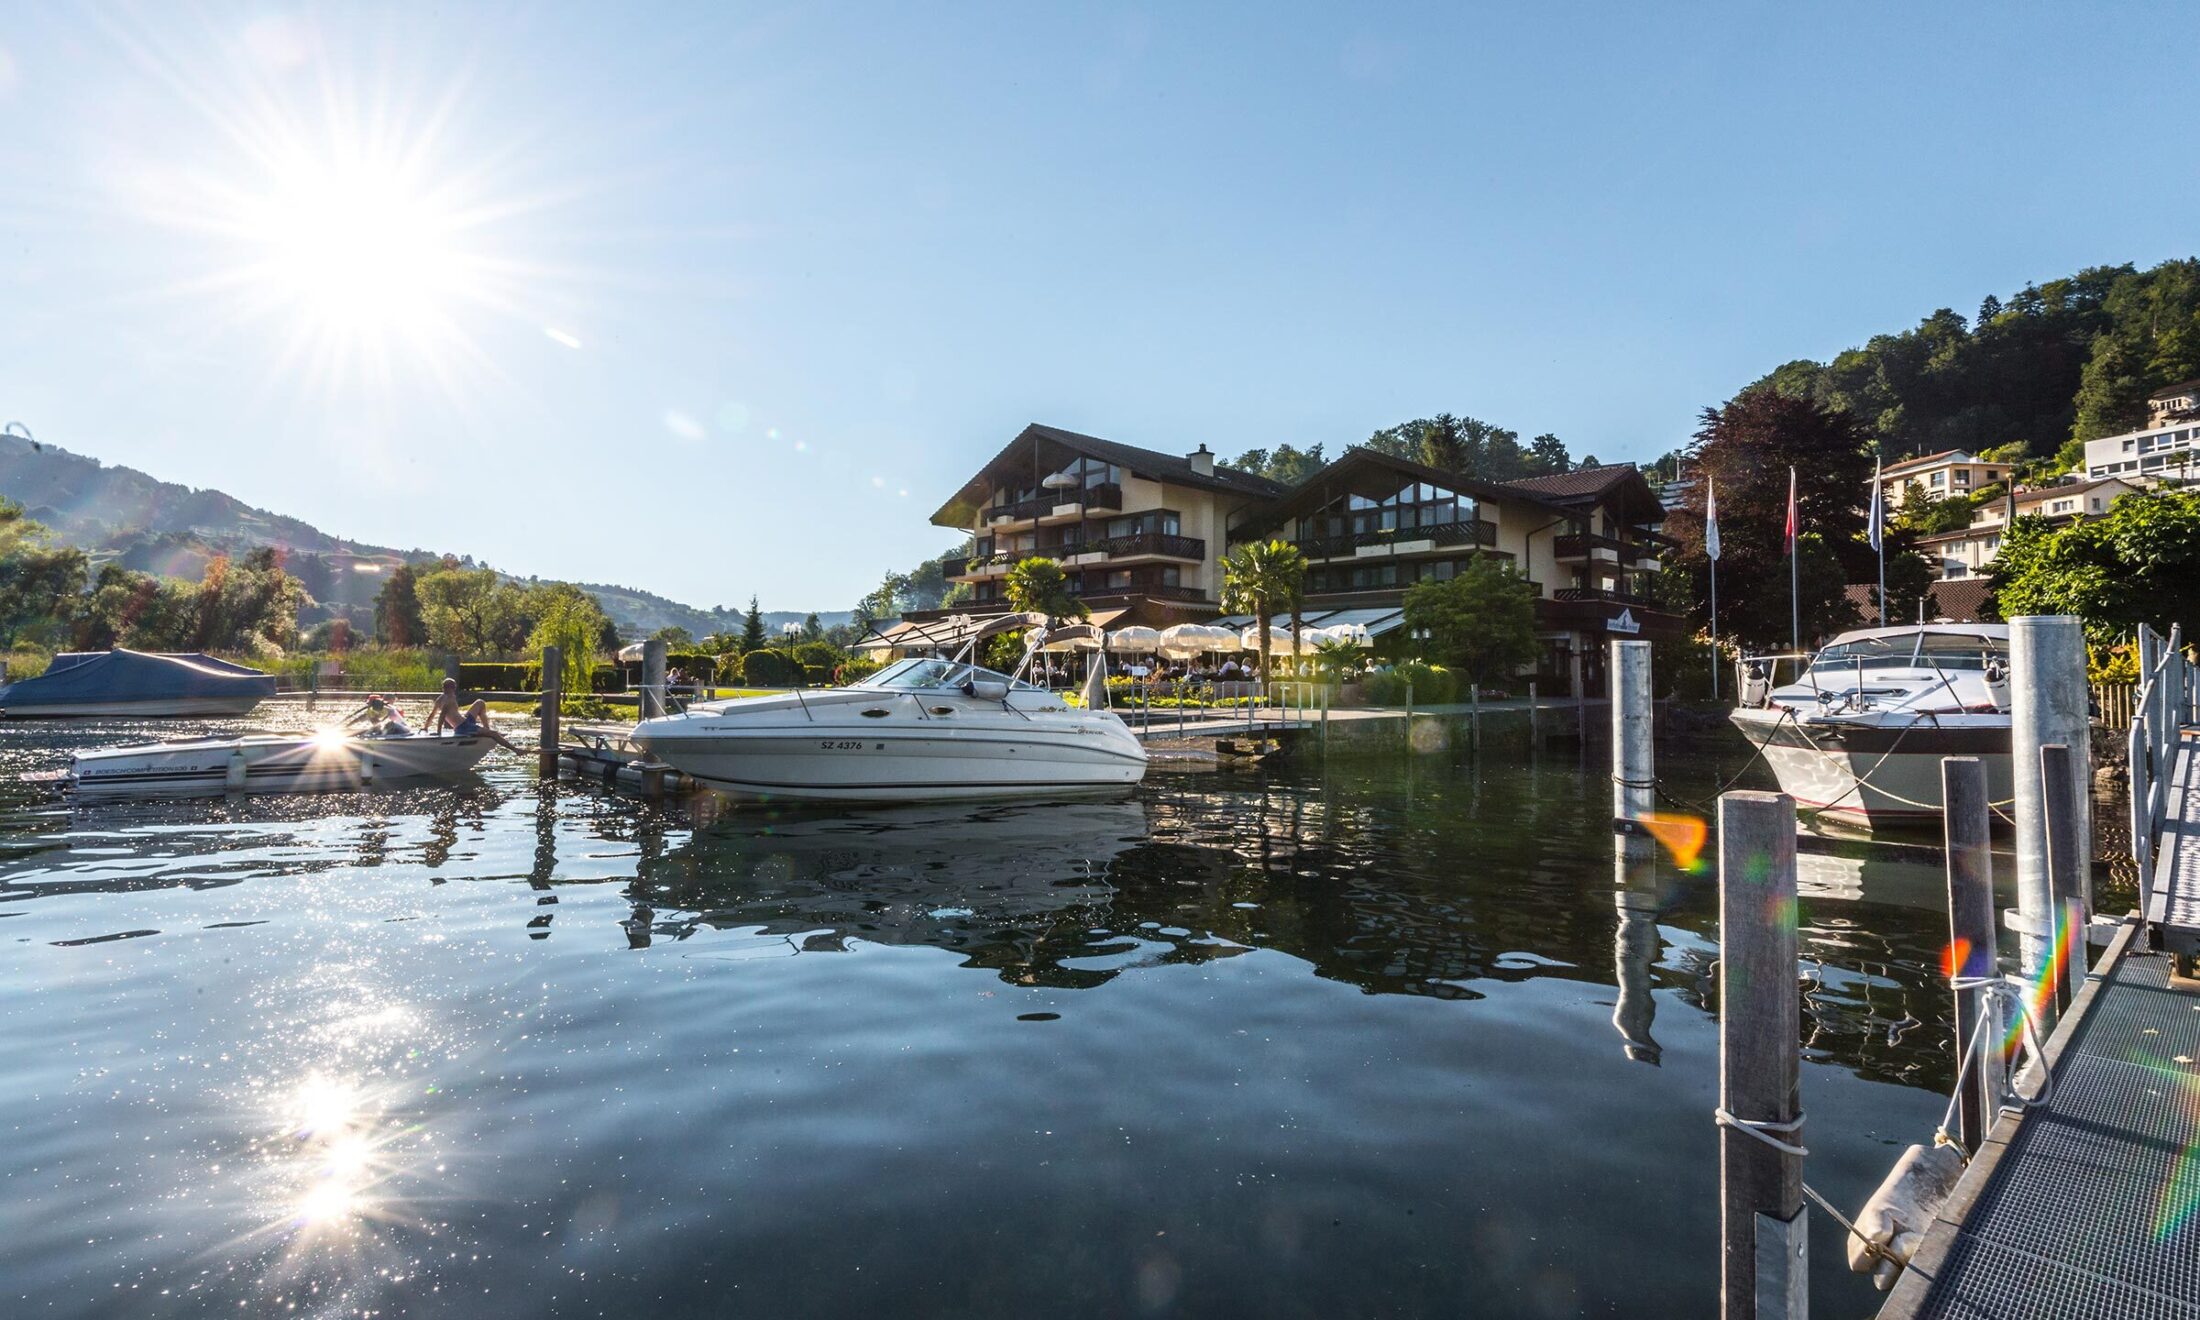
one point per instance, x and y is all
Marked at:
(1940, 479)
(1963, 476)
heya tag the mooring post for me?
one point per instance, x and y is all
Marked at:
(1764, 1232)
(653, 678)
(1409, 715)
(2063, 880)
(2047, 700)
(1474, 716)
(1634, 754)
(553, 697)
(1966, 830)
(1535, 717)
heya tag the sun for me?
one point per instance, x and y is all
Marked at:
(359, 250)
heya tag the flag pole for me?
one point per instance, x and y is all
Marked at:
(1795, 572)
(1714, 630)
(1879, 535)
(1711, 557)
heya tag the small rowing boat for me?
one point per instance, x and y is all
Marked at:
(275, 763)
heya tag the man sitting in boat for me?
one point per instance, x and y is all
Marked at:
(467, 723)
(383, 719)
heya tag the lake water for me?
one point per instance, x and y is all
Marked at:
(1389, 1039)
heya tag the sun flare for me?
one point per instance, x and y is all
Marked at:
(358, 249)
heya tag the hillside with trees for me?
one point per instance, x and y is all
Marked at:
(2066, 361)
(121, 519)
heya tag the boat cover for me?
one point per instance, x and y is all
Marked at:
(82, 677)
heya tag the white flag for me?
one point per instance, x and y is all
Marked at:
(1876, 534)
(1710, 519)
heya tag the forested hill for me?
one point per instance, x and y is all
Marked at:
(122, 515)
(2069, 360)
(100, 507)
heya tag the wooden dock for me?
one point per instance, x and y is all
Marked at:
(2089, 1205)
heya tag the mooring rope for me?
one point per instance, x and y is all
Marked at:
(1763, 1128)
(1983, 1039)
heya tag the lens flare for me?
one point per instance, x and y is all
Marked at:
(1681, 836)
(2041, 992)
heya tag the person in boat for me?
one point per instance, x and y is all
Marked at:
(466, 723)
(382, 718)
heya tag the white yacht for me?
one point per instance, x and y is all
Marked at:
(920, 730)
(1859, 733)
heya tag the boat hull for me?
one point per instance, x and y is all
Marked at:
(183, 708)
(1887, 772)
(272, 765)
(891, 765)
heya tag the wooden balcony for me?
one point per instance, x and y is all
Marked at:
(1401, 541)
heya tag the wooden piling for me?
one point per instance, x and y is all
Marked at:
(1764, 1250)
(1535, 717)
(1971, 936)
(553, 697)
(653, 678)
(2063, 881)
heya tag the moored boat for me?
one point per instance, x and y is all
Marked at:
(270, 763)
(136, 685)
(920, 730)
(1860, 732)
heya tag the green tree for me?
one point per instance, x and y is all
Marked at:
(812, 629)
(675, 638)
(752, 628)
(1471, 447)
(1038, 586)
(1480, 622)
(41, 584)
(573, 621)
(1284, 464)
(1259, 578)
(2138, 563)
(469, 611)
(397, 618)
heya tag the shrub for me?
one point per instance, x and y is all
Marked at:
(699, 666)
(585, 707)
(817, 655)
(768, 669)
(607, 678)
(493, 677)
(1428, 685)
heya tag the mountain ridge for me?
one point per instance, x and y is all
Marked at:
(120, 514)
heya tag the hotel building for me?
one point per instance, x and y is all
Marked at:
(1939, 476)
(1141, 533)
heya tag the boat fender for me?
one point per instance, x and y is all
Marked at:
(1756, 685)
(1997, 683)
(1896, 1217)
(233, 775)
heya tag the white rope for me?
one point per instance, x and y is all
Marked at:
(1984, 1037)
(1763, 1128)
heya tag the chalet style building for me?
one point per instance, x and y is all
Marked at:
(1141, 533)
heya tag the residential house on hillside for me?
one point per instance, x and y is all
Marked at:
(1972, 549)
(1141, 534)
(2168, 448)
(1939, 476)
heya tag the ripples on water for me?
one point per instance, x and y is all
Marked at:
(1393, 1039)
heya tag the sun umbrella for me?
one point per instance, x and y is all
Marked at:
(1186, 640)
(1134, 641)
(1354, 633)
(1279, 639)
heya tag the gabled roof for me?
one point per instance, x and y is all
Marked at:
(1360, 462)
(1019, 456)
(2037, 493)
(2181, 387)
(1618, 484)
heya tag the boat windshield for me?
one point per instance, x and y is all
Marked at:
(912, 674)
(1918, 650)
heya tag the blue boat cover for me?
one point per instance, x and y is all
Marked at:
(78, 677)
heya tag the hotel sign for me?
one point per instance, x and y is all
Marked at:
(1625, 623)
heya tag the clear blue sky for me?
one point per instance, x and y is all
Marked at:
(687, 297)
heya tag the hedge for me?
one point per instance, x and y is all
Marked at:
(486, 676)
(768, 669)
(699, 666)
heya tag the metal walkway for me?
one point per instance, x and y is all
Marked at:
(2090, 1207)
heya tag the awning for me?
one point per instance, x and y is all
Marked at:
(950, 633)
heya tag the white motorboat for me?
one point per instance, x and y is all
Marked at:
(274, 763)
(1860, 732)
(920, 730)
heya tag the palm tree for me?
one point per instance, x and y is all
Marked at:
(1257, 579)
